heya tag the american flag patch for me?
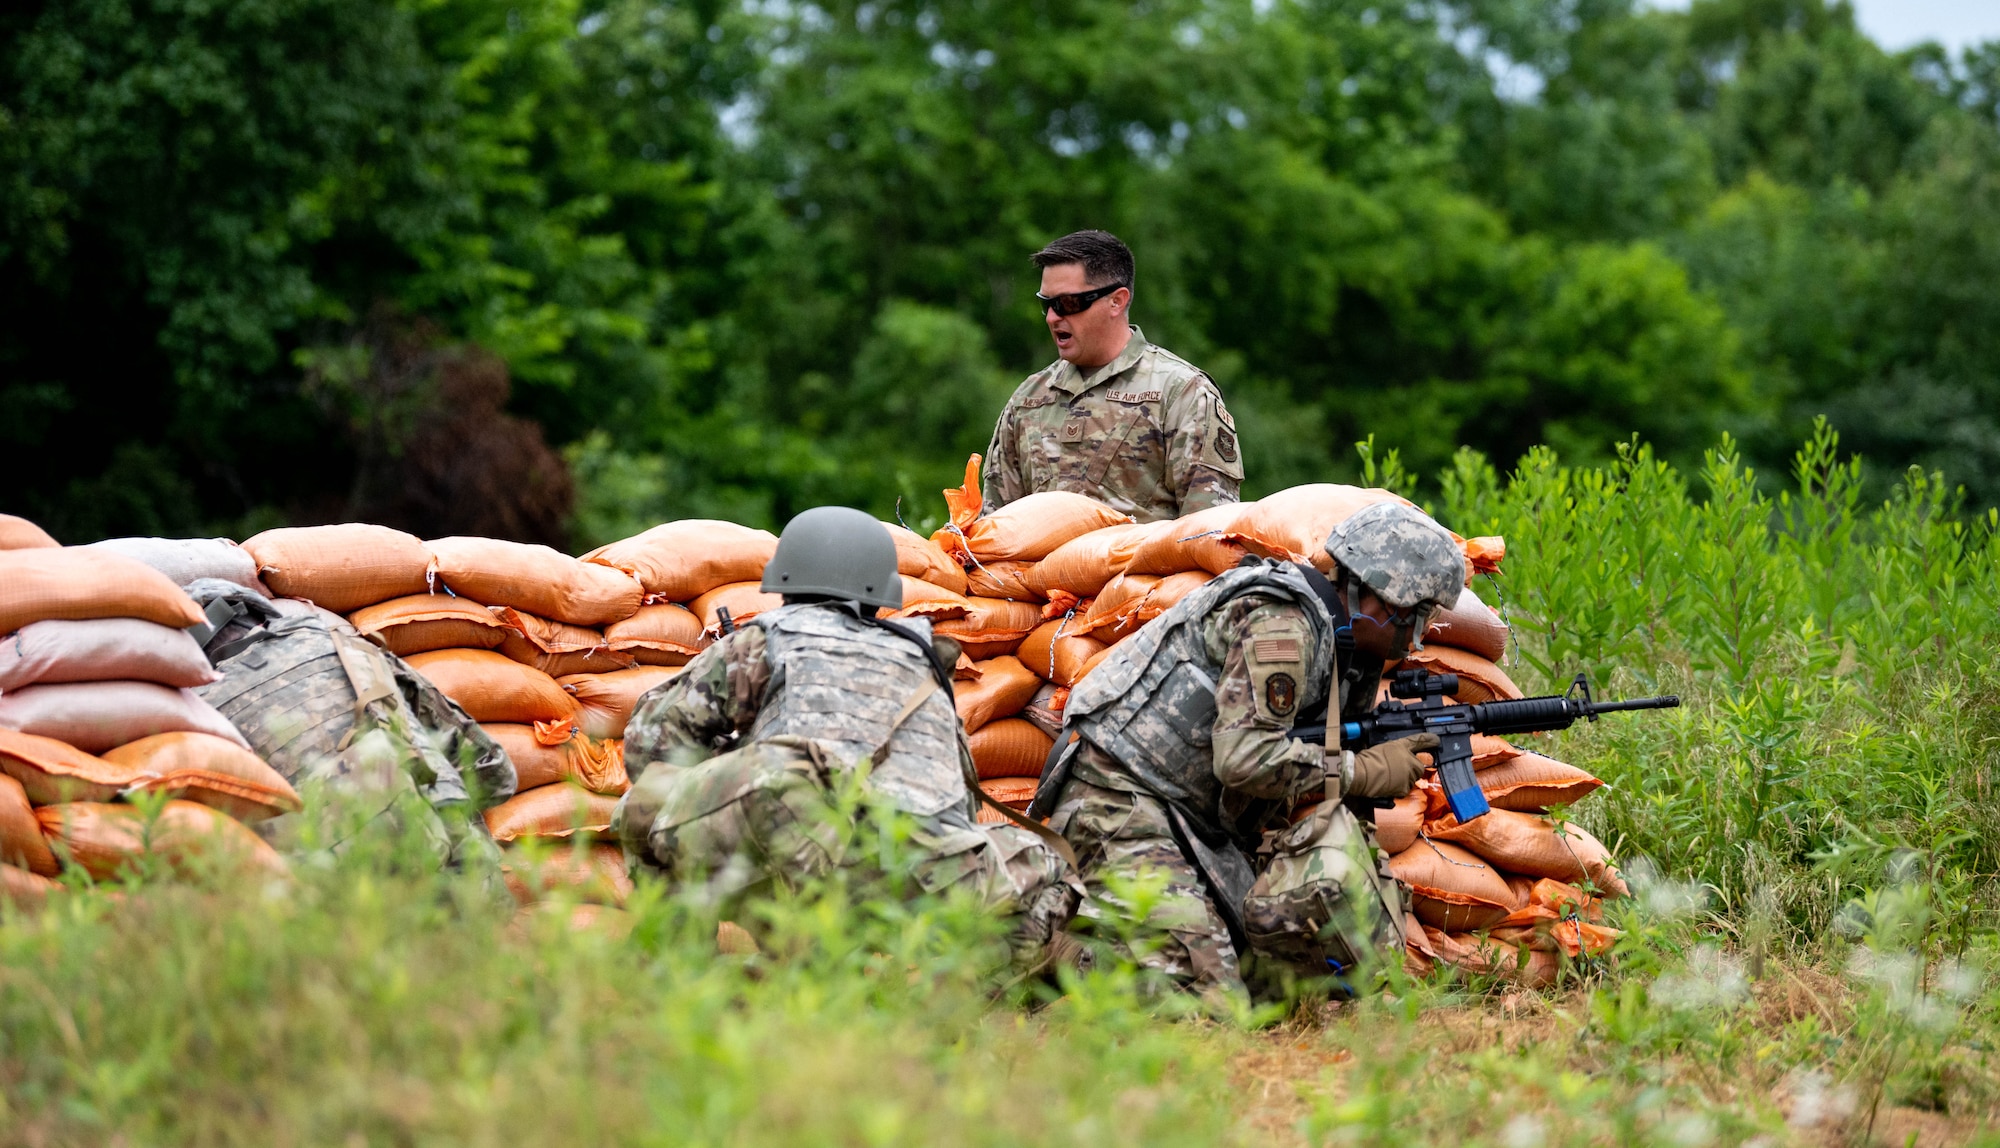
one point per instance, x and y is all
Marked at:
(1275, 650)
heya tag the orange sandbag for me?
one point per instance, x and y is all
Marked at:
(103, 839)
(1482, 956)
(563, 754)
(991, 627)
(605, 701)
(76, 583)
(1058, 656)
(493, 687)
(1396, 827)
(662, 635)
(923, 600)
(550, 811)
(680, 561)
(1469, 625)
(1084, 564)
(21, 840)
(210, 771)
(538, 579)
(1138, 599)
(1203, 540)
(920, 558)
(1010, 747)
(1524, 843)
(1003, 688)
(1027, 530)
(1294, 523)
(1001, 580)
(25, 890)
(17, 533)
(1013, 792)
(1529, 782)
(1119, 597)
(1479, 679)
(558, 648)
(1489, 751)
(744, 601)
(95, 716)
(593, 874)
(53, 771)
(1451, 888)
(341, 568)
(418, 623)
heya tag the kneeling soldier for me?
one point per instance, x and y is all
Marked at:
(1183, 767)
(736, 761)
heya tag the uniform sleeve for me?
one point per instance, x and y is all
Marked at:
(703, 708)
(1204, 458)
(1265, 651)
(1001, 482)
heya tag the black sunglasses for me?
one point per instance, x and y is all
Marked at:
(1074, 304)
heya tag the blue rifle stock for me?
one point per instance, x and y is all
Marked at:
(1422, 709)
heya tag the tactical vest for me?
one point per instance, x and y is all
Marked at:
(1152, 705)
(840, 681)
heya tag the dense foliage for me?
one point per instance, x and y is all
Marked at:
(741, 258)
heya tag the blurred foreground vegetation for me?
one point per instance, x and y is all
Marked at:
(1810, 957)
(558, 269)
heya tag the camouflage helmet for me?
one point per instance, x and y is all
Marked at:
(1401, 554)
(838, 552)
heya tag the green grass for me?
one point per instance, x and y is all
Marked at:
(1808, 960)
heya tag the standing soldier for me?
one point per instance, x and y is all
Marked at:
(738, 763)
(1114, 417)
(1185, 768)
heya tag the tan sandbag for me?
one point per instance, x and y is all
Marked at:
(185, 560)
(558, 810)
(537, 579)
(341, 568)
(1451, 888)
(1479, 679)
(419, 623)
(1529, 782)
(1010, 747)
(1008, 580)
(593, 874)
(1471, 625)
(1524, 843)
(52, 771)
(920, 558)
(743, 600)
(562, 753)
(209, 771)
(1396, 827)
(1057, 656)
(664, 635)
(558, 648)
(1003, 688)
(21, 840)
(103, 648)
(1084, 564)
(17, 533)
(95, 716)
(76, 583)
(680, 561)
(1027, 530)
(923, 600)
(490, 686)
(605, 701)
(103, 839)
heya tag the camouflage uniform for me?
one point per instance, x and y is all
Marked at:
(1185, 765)
(800, 698)
(1146, 433)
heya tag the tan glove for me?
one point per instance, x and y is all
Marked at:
(1388, 770)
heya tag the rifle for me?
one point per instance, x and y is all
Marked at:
(1455, 725)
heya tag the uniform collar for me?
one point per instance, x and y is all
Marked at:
(1068, 378)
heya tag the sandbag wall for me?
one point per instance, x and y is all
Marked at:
(97, 709)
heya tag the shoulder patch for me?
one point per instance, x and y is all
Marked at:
(1225, 444)
(1281, 694)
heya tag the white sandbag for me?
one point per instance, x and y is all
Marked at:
(186, 559)
(96, 716)
(102, 649)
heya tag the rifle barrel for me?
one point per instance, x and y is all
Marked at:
(1668, 702)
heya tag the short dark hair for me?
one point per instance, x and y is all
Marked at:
(1104, 257)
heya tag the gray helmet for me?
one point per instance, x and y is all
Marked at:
(1401, 554)
(838, 552)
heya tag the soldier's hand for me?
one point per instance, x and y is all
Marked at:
(1391, 769)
